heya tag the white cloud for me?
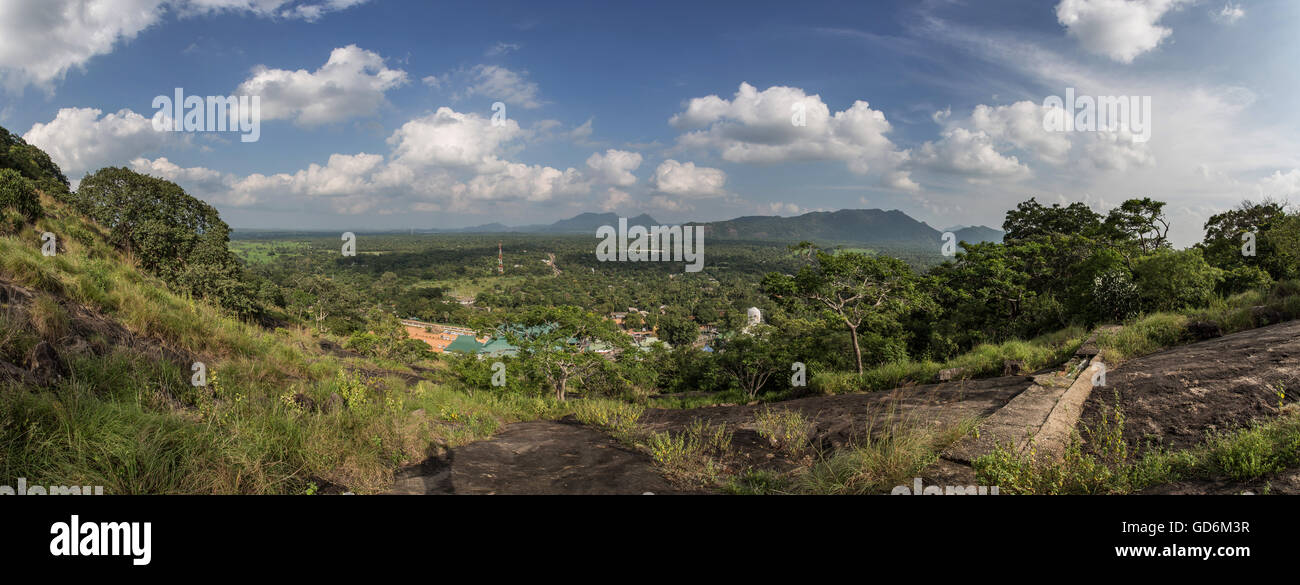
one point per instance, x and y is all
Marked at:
(688, 180)
(1280, 185)
(519, 181)
(969, 153)
(1229, 14)
(446, 160)
(452, 139)
(901, 180)
(1021, 125)
(1118, 29)
(615, 166)
(350, 84)
(82, 140)
(1117, 151)
(41, 40)
(615, 199)
(757, 127)
(784, 209)
(500, 84)
(502, 49)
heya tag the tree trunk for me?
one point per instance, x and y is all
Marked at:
(857, 350)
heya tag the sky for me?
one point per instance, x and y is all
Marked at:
(383, 114)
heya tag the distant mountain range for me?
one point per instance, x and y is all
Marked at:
(846, 226)
(583, 223)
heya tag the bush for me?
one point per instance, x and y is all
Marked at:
(787, 430)
(1115, 296)
(17, 193)
(1172, 281)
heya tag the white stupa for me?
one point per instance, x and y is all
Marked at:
(754, 317)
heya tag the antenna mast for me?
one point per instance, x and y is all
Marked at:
(501, 265)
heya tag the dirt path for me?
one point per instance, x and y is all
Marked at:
(540, 457)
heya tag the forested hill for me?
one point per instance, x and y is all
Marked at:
(875, 227)
(857, 226)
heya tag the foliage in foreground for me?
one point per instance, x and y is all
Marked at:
(1106, 464)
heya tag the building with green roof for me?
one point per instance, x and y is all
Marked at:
(464, 344)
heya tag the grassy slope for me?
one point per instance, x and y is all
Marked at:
(126, 417)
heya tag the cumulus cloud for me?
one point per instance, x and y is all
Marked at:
(615, 166)
(1021, 125)
(81, 140)
(1118, 29)
(41, 40)
(1117, 151)
(759, 127)
(688, 180)
(452, 139)
(446, 160)
(350, 84)
(615, 199)
(970, 153)
(1281, 185)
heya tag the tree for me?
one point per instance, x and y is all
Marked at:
(751, 359)
(1173, 280)
(850, 289)
(32, 163)
(17, 193)
(170, 233)
(1139, 223)
(386, 339)
(1031, 219)
(553, 341)
(677, 329)
(1276, 253)
(983, 293)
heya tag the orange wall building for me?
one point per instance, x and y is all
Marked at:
(437, 336)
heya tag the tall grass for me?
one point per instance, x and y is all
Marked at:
(984, 360)
(1111, 466)
(886, 456)
(272, 418)
(1157, 331)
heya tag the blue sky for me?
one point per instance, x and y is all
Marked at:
(377, 113)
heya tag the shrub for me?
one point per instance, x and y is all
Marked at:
(17, 193)
(787, 430)
(1171, 281)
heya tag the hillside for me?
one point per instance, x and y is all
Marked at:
(111, 377)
